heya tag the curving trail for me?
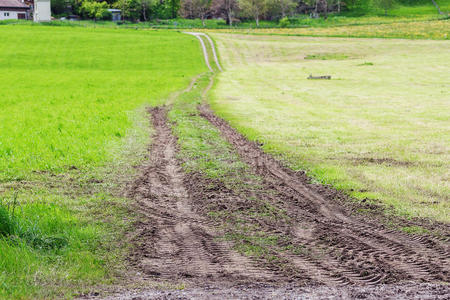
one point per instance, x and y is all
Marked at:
(343, 255)
(205, 52)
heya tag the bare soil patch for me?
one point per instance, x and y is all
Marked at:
(174, 242)
(341, 254)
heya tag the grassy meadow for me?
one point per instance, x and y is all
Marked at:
(378, 130)
(395, 28)
(72, 126)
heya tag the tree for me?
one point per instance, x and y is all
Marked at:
(58, 6)
(146, 6)
(226, 9)
(253, 8)
(131, 9)
(174, 7)
(195, 9)
(385, 5)
(278, 9)
(94, 10)
(286, 6)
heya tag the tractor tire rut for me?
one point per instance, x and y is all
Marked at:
(173, 242)
(338, 254)
(344, 256)
(348, 241)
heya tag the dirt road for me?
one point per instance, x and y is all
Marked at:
(344, 255)
(326, 249)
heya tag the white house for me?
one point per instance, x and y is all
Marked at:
(115, 14)
(42, 11)
(13, 9)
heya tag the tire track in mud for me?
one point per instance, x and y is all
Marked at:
(177, 241)
(355, 250)
(173, 242)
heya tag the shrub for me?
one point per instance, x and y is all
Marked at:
(284, 22)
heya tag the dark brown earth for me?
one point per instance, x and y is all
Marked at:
(174, 242)
(355, 249)
(344, 255)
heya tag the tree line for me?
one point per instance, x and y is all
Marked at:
(232, 11)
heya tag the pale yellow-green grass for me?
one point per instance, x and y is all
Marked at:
(436, 29)
(380, 129)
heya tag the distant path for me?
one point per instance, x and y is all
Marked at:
(213, 51)
(205, 52)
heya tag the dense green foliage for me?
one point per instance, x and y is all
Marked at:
(72, 126)
(236, 11)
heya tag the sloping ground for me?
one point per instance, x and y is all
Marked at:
(428, 29)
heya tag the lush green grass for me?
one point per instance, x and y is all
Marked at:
(65, 92)
(72, 125)
(379, 129)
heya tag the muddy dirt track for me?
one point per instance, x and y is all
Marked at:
(339, 253)
(345, 255)
(174, 241)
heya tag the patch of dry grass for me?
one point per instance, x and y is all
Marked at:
(379, 129)
(435, 29)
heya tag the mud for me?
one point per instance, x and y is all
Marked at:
(173, 242)
(407, 291)
(342, 247)
(344, 256)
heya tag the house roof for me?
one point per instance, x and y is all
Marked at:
(12, 4)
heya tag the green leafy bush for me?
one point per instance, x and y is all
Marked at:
(284, 22)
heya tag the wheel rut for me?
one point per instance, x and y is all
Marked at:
(353, 249)
(173, 242)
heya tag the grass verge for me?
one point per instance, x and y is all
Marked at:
(66, 230)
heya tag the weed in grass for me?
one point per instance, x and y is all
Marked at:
(366, 64)
(414, 230)
(6, 222)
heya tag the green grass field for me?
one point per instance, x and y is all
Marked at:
(389, 28)
(72, 125)
(65, 92)
(378, 130)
